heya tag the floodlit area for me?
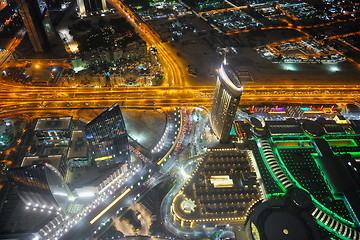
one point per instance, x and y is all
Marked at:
(303, 51)
(231, 21)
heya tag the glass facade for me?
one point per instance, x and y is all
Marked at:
(108, 138)
(41, 186)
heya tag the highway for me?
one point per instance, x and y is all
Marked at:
(45, 100)
(175, 91)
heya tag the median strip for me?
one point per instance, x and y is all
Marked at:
(110, 206)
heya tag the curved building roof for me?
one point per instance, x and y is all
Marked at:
(285, 218)
(230, 79)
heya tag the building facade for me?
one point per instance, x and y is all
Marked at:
(226, 100)
(87, 7)
(108, 139)
(32, 18)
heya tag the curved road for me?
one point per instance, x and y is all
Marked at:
(174, 69)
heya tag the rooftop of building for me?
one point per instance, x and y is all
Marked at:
(78, 147)
(284, 218)
(53, 123)
(53, 160)
(230, 78)
(226, 188)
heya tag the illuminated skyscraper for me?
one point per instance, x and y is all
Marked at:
(32, 18)
(108, 138)
(226, 100)
(91, 6)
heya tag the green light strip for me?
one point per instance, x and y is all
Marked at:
(275, 195)
(354, 154)
(326, 210)
(317, 203)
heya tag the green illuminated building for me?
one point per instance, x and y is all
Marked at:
(320, 157)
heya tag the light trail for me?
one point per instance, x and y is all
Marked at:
(110, 206)
(222, 10)
(10, 48)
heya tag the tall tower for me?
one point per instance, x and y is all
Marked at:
(108, 138)
(226, 100)
(32, 17)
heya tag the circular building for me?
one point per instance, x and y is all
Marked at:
(285, 219)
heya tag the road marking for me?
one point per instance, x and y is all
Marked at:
(110, 206)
